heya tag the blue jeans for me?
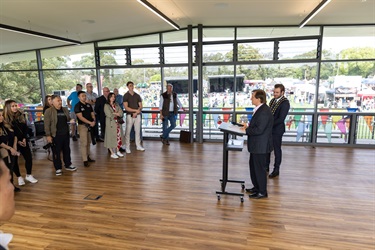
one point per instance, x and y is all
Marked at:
(172, 120)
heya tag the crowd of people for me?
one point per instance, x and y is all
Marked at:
(264, 131)
(93, 119)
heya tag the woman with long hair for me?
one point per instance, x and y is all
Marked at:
(8, 146)
(112, 139)
(47, 103)
(14, 116)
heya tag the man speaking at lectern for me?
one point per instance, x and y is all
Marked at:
(259, 144)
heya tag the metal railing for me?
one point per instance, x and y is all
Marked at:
(355, 129)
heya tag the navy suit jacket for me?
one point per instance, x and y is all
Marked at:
(259, 132)
(99, 106)
(279, 118)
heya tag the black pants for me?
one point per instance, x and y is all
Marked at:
(277, 139)
(258, 174)
(102, 125)
(9, 162)
(61, 144)
(26, 153)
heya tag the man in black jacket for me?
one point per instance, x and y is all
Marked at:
(279, 107)
(259, 144)
(99, 112)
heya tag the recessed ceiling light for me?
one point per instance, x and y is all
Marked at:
(89, 21)
(221, 5)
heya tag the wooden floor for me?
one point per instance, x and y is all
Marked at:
(164, 198)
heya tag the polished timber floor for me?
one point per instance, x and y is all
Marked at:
(164, 198)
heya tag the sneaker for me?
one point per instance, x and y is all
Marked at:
(71, 168)
(114, 156)
(58, 172)
(122, 150)
(128, 151)
(119, 154)
(21, 181)
(167, 142)
(30, 178)
(140, 149)
(17, 189)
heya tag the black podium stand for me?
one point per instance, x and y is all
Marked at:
(229, 144)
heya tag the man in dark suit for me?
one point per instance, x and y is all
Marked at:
(99, 112)
(259, 144)
(279, 106)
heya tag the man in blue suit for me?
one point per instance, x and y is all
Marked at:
(259, 144)
(279, 106)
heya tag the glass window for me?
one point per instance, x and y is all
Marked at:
(137, 40)
(300, 49)
(64, 81)
(176, 54)
(255, 51)
(218, 53)
(218, 86)
(21, 86)
(146, 82)
(365, 130)
(275, 32)
(346, 85)
(298, 79)
(332, 128)
(178, 77)
(145, 56)
(18, 61)
(175, 37)
(112, 57)
(356, 42)
(218, 34)
(79, 56)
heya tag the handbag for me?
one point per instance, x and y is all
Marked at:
(120, 120)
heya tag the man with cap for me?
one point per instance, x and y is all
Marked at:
(169, 106)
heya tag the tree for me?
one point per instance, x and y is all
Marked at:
(21, 86)
(359, 68)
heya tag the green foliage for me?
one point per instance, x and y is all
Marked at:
(364, 69)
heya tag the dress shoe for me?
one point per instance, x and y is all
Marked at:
(258, 195)
(17, 189)
(122, 150)
(251, 190)
(274, 174)
(99, 140)
(165, 142)
(86, 163)
(90, 160)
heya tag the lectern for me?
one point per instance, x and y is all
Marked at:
(230, 144)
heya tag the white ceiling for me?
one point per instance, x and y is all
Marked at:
(92, 20)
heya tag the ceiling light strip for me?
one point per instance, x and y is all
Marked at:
(315, 11)
(37, 34)
(159, 13)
